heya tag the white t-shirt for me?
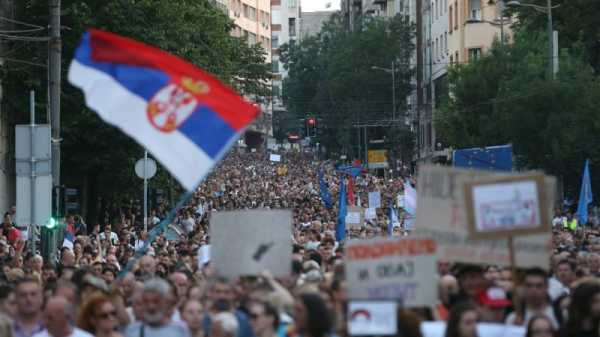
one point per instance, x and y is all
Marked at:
(114, 238)
(76, 333)
(556, 289)
(548, 312)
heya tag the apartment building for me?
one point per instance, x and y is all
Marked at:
(454, 31)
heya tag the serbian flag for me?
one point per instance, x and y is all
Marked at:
(185, 117)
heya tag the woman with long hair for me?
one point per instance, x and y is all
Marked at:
(192, 314)
(462, 321)
(98, 316)
(584, 310)
(312, 317)
(540, 326)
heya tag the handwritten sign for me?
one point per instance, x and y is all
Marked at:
(374, 199)
(386, 268)
(438, 329)
(355, 217)
(248, 242)
(505, 207)
(372, 318)
(275, 157)
(441, 216)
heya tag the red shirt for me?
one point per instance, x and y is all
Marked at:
(13, 235)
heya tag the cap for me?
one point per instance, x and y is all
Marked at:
(493, 297)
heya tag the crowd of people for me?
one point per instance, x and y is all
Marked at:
(97, 286)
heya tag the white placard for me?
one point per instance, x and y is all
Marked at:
(438, 329)
(398, 269)
(370, 213)
(354, 217)
(248, 242)
(374, 199)
(372, 318)
(400, 201)
(275, 158)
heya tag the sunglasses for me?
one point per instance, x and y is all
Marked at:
(108, 315)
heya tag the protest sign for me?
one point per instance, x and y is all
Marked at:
(275, 157)
(355, 217)
(248, 242)
(372, 318)
(386, 268)
(438, 329)
(374, 199)
(441, 216)
(400, 201)
(506, 207)
(370, 213)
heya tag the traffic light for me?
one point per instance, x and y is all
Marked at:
(312, 122)
(51, 223)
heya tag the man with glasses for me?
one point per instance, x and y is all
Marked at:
(535, 298)
(264, 319)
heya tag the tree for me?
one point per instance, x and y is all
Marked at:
(97, 157)
(506, 97)
(331, 76)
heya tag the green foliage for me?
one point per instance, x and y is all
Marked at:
(506, 97)
(331, 76)
(98, 156)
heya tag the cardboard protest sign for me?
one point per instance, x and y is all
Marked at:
(275, 157)
(372, 318)
(355, 217)
(441, 216)
(506, 207)
(248, 242)
(386, 268)
(374, 199)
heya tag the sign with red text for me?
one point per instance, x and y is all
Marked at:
(399, 269)
(441, 216)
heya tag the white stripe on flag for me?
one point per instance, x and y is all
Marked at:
(118, 106)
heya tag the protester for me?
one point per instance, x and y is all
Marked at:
(536, 300)
(28, 320)
(584, 311)
(192, 313)
(541, 326)
(462, 321)
(98, 316)
(58, 315)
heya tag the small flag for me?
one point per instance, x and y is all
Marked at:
(351, 170)
(394, 222)
(324, 189)
(184, 116)
(340, 229)
(410, 198)
(69, 240)
(585, 195)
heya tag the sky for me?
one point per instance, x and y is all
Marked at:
(319, 5)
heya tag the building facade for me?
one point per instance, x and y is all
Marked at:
(312, 22)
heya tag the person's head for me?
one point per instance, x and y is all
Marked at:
(565, 272)
(462, 321)
(37, 263)
(224, 324)
(192, 314)
(448, 286)
(97, 268)
(181, 283)
(67, 258)
(29, 298)
(535, 286)
(222, 294)
(471, 279)
(594, 263)
(97, 314)
(264, 319)
(48, 273)
(66, 290)
(8, 300)
(58, 315)
(585, 304)
(540, 326)
(7, 220)
(157, 297)
(312, 316)
(137, 303)
(147, 265)
(109, 274)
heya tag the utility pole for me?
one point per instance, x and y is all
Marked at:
(54, 84)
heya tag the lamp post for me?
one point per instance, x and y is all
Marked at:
(393, 72)
(546, 10)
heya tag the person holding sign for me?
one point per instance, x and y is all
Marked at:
(462, 321)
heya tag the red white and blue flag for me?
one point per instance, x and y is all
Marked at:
(185, 117)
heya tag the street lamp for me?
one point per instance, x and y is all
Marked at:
(393, 72)
(546, 10)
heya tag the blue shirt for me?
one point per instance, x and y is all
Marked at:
(19, 332)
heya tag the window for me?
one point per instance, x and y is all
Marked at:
(292, 3)
(252, 39)
(451, 59)
(275, 66)
(445, 44)
(456, 58)
(445, 6)
(250, 12)
(274, 42)
(474, 54)
(451, 18)
(475, 9)
(456, 16)
(292, 26)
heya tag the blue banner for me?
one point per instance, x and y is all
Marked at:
(494, 158)
(340, 228)
(585, 195)
(324, 189)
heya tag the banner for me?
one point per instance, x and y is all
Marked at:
(355, 217)
(378, 159)
(275, 157)
(375, 199)
(441, 216)
(261, 239)
(385, 269)
(372, 318)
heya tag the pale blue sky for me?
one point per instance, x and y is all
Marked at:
(319, 5)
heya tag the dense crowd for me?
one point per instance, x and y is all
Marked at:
(174, 290)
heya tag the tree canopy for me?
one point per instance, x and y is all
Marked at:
(98, 157)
